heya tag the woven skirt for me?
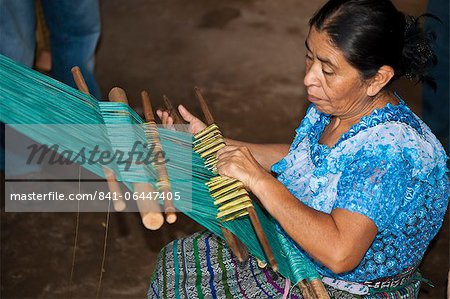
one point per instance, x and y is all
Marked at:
(202, 266)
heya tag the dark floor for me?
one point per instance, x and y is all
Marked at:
(247, 55)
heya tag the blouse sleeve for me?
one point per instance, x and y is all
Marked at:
(301, 131)
(375, 187)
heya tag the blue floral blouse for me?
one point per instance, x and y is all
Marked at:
(389, 167)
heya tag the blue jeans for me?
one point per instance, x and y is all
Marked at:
(74, 32)
(74, 27)
(436, 103)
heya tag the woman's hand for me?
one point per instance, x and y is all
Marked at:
(238, 163)
(195, 124)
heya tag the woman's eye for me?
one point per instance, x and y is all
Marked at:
(327, 73)
(308, 57)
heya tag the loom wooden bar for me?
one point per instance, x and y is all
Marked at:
(173, 112)
(206, 112)
(79, 80)
(262, 238)
(111, 179)
(150, 213)
(251, 211)
(237, 247)
(169, 208)
(147, 106)
(306, 289)
(114, 187)
(319, 289)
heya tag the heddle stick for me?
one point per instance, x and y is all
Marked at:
(177, 119)
(319, 289)
(205, 109)
(236, 246)
(251, 211)
(150, 213)
(313, 289)
(173, 112)
(306, 289)
(163, 178)
(111, 179)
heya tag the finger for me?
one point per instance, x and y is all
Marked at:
(187, 116)
(223, 161)
(165, 116)
(222, 172)
(227, 169)
(165, 119)
(222, 169)
(226, 150)
(169, 121)
(159, 113)
(162, 117)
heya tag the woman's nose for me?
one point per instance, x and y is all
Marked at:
(311, 78)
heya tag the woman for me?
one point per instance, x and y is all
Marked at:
(363, 187)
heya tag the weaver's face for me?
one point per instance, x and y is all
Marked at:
(332, 84)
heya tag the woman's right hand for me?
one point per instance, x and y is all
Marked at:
(195, 124)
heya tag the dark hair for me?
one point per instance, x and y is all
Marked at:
(373, 33)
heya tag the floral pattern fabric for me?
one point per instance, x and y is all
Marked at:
(389, 167)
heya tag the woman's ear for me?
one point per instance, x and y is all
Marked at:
(381, 78)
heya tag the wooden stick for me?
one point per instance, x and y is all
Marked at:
(173, 112)
(262, 238)
(169, 208)
(208, 116)
(313, 289)
(149, 210)
(319, 289)
(147, 105)
(237, 247)
(79, 80)
(306, 289)
(251, 211)
(111, 179)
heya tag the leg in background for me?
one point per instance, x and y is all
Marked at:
(74, 32)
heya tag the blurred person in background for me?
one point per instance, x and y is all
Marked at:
(74, 28)
(74, 32)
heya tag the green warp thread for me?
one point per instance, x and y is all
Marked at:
(51, 112)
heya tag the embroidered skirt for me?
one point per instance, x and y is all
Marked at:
(202, 266)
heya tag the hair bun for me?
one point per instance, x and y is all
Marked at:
(418, 54)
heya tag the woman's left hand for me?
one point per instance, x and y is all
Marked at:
(238, 163)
